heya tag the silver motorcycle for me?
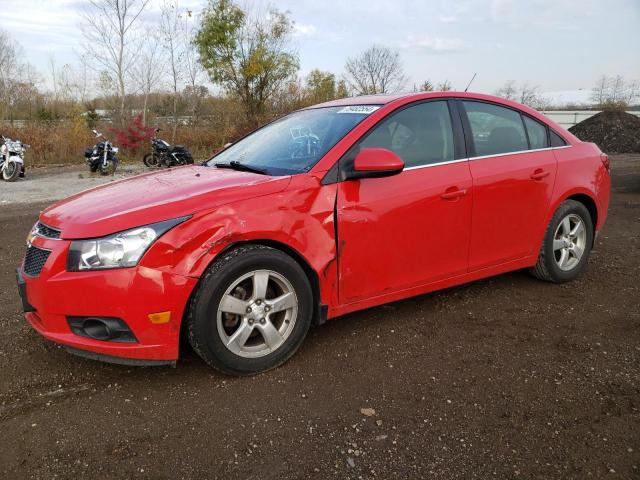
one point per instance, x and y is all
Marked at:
(12, 159)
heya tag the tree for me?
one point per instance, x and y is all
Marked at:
(170, 26)
(17, 78)
(320, 86)
(600, 91)
(444, 86)
(614, 92)
(376, 70)
(246, 54)
(508, 91)
(194, 91)
(525, 94)
(148, 70)
(108, 27)
(426, 86)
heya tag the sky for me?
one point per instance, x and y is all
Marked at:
(553, 44)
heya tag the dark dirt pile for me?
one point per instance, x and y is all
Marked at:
(612, 131)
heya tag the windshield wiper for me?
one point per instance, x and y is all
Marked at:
(235, 165)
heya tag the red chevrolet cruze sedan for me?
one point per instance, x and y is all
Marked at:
(331, 209)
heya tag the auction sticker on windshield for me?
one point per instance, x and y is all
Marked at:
(362, 109)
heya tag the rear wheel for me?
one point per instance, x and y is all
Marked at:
(151, 160)
(567, 244)
(251, 311)
(11, 171)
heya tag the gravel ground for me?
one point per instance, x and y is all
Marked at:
(49, 184)
(507, 377)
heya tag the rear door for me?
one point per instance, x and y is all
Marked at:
(412, 228)
(513, 173)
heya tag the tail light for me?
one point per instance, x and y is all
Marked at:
(605, 161)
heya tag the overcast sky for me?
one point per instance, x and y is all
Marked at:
(555, 44)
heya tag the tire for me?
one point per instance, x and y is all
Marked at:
(11, 172)
(151, 160)
(210, 330)
(110, 169)
(558, 261)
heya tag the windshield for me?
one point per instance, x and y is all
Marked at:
(295, 143)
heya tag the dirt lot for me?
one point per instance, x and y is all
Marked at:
(504, 378)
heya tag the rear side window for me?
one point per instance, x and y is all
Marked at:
(537, 133)
(420, 135)
(495, 129)
(556, 140)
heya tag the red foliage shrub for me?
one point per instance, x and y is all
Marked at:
(134, 135)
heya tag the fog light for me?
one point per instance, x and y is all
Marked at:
(106, 329)
(160, 317)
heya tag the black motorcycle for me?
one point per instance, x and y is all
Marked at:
(166, 155)
(102, 156)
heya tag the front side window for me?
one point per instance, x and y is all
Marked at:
(295, 143)
(420, 134)
(537, 133)
(495, 129)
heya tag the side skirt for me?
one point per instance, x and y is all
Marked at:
(431, 287)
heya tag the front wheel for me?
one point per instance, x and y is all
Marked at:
(251, 311)
(567, 244)
(109, 168)
(11, 171)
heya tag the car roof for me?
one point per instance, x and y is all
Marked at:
(404, 98)
(385, 98)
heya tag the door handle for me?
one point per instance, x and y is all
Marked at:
(539, 174)
(453, 194)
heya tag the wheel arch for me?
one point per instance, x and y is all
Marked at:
(590, 205)
(320, 310)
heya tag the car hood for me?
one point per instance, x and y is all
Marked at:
(154, 197)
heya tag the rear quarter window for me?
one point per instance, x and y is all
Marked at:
(537, 133)
(556, 140)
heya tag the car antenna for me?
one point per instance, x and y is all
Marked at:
(472, 79)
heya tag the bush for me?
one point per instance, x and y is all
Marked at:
(63, 142)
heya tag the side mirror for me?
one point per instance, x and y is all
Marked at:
(375, 163)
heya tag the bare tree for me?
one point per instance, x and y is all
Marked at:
(426, 86)
(529, 95)
(108, 27)
(617, 90)
(444, 86)
(147, 69)
(376, 70)
(171, 30)
(614, 92)
(508, 91)
(16, 76)
(192, 66)
(600, 91)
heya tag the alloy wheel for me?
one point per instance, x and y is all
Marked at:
(569, 242)
(257, 313)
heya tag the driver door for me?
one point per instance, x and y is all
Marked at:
(413, 228)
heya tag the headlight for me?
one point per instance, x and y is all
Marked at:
(124, 249)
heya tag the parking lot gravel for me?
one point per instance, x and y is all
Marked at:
(507, 377)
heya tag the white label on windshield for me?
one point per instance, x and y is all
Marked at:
(361, 109)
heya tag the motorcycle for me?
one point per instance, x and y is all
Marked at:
(164, 154)
(102, 156)
(12, 159)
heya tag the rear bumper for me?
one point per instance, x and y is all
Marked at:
(130, 294)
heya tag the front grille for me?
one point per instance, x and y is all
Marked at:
(47, 231)
(34, 260)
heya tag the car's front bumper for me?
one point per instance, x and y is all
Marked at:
(129, 294)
